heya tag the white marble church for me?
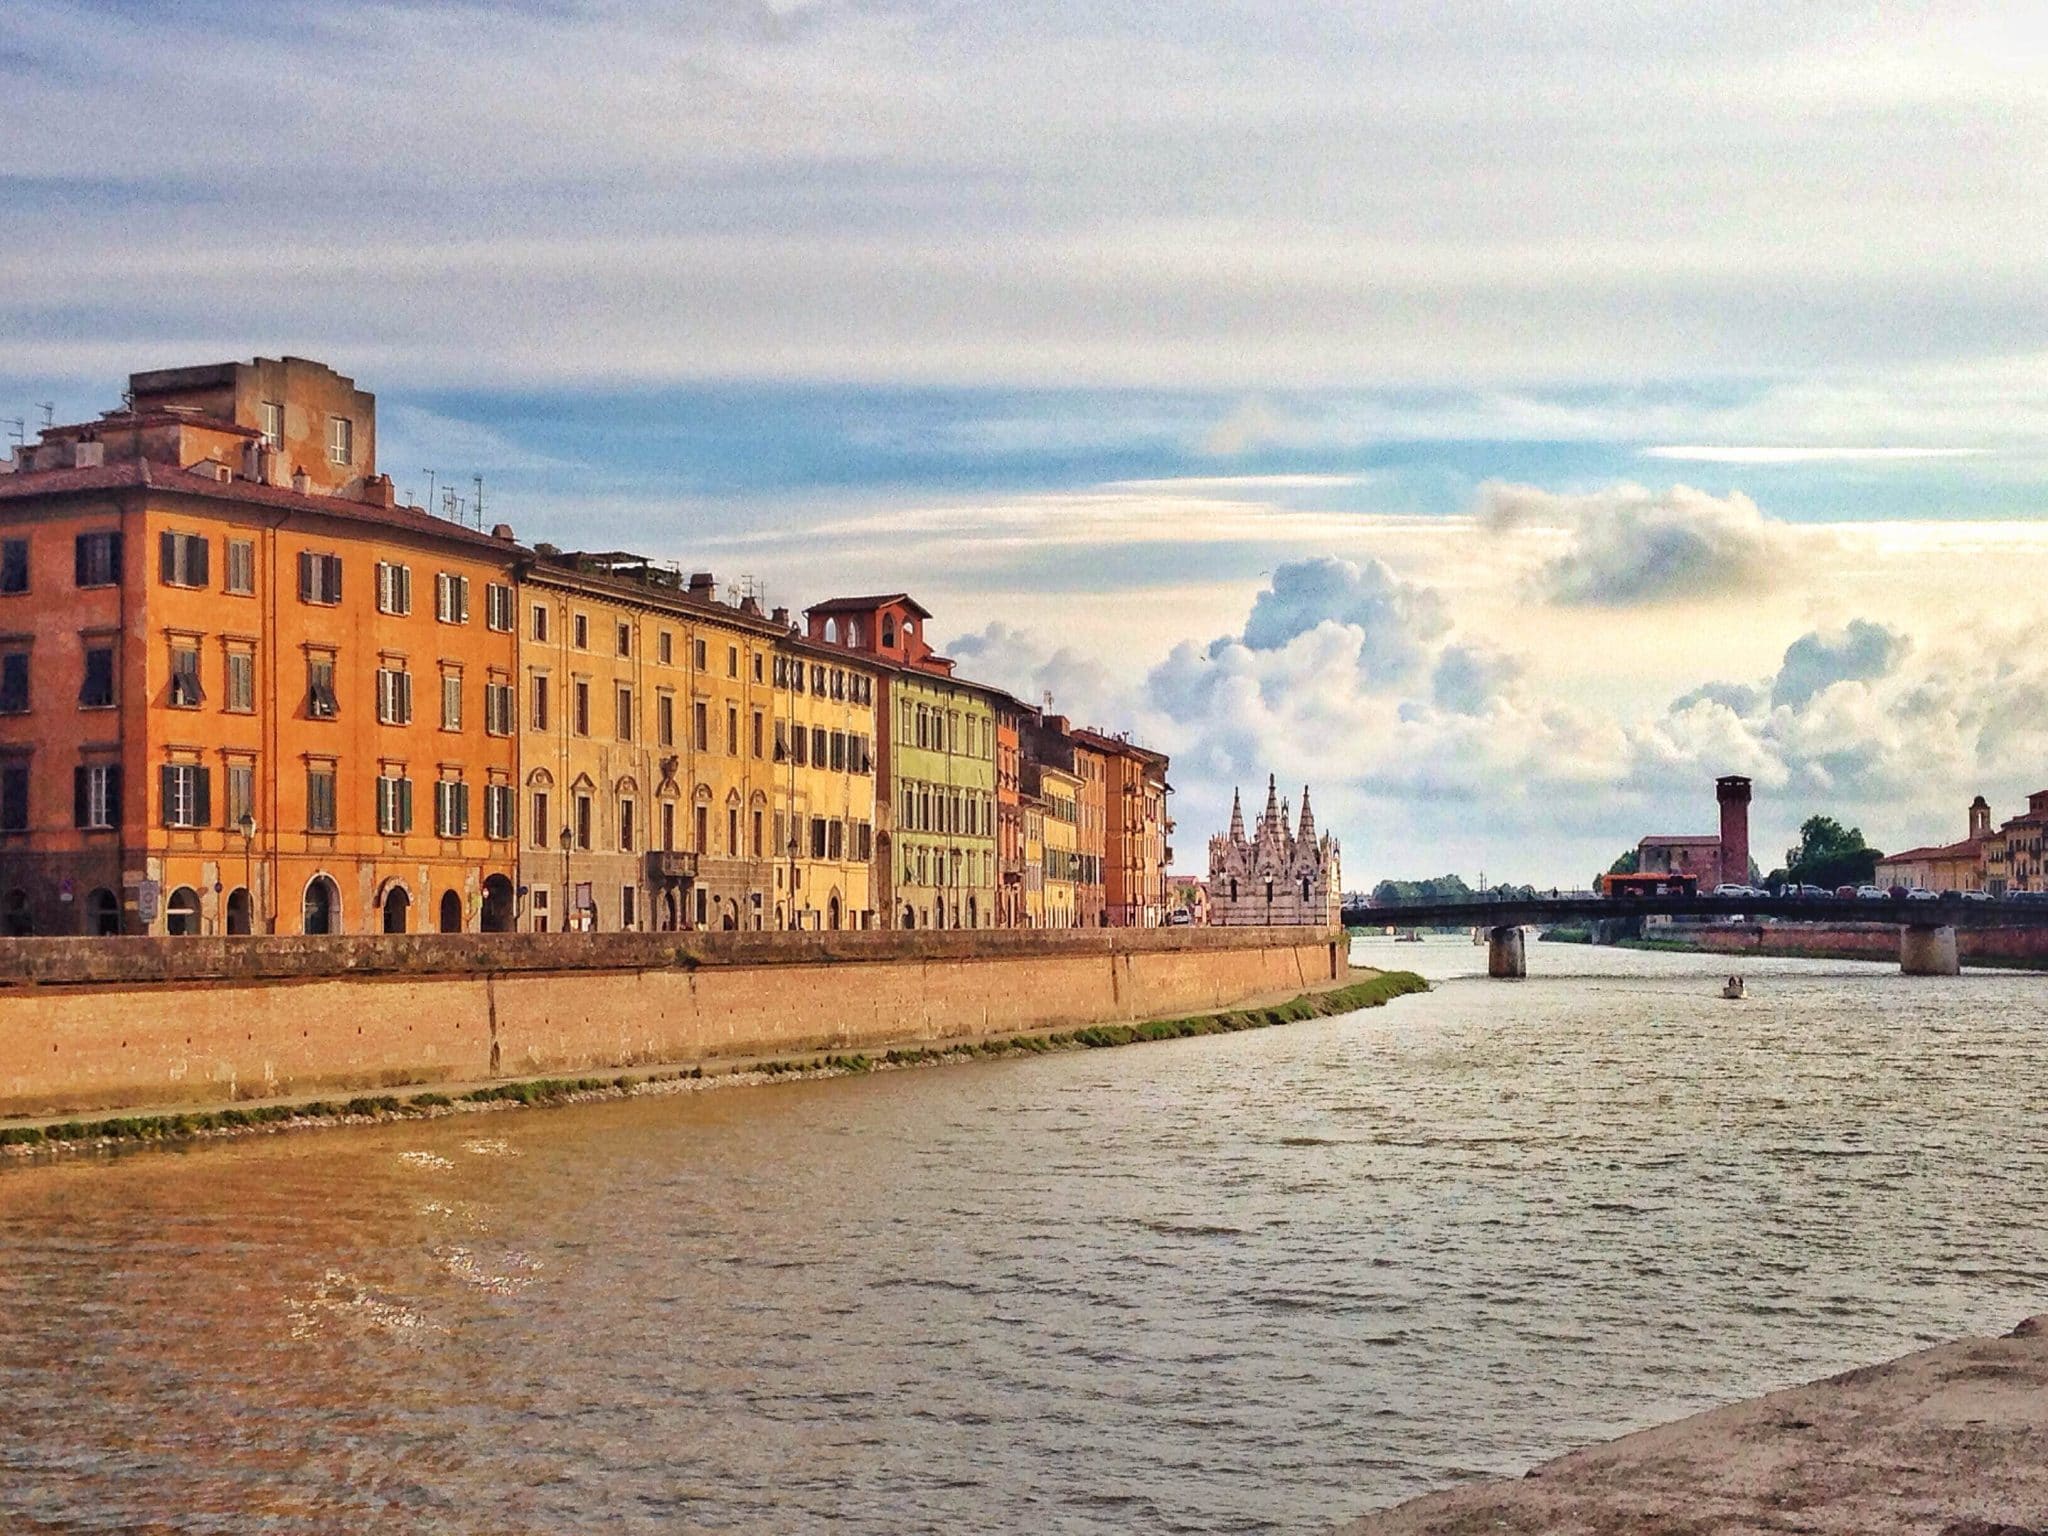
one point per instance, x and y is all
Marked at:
(1278, 876)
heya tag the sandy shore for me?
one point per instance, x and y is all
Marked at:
(1952, 1441)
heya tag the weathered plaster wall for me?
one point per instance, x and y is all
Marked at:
(127, 1023)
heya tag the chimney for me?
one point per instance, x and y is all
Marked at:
(379, 492)
(88, 453)
(781, 616)
(704, 586)
(300, 481)
(502, 532)
(1733, 793)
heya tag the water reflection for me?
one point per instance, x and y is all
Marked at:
(1252, 1283)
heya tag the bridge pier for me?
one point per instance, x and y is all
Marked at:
(1928, 952)
(1506, 960)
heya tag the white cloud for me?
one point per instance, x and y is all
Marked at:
(1704, 454)
(1630, 545)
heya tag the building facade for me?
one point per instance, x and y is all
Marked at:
(1959, 866)
(222, 620)
(827, 756)
(936, 850)
(1278, 876)
(1134, 828)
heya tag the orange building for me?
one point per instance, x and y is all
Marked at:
(1134, 827)
(241, 690)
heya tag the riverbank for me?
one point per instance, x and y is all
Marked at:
(2013, 949)
(1951, 1441)
(48, 1138)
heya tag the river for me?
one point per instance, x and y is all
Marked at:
(1255, 1283)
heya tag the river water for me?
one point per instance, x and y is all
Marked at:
(1254, 1283)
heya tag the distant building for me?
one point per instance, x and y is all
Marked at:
(1277, 876)
(1710, 860)
(2016, 855)
(1946, 866)
(1185, 893)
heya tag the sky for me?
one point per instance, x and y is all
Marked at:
(1502, 419)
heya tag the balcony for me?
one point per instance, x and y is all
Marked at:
(667, 864)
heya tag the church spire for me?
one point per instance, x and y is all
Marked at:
(1286, 822)
(1236, 816)
(1306, 831)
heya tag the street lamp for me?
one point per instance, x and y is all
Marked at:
(247, 824)
(567, 838)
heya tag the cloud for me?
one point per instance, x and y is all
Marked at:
(1395, 619)
(1630, 545)
(1763, 455)
(1860, 652)
(1077, 684)
(1251, 425)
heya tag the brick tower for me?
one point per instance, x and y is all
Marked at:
(1733, 793)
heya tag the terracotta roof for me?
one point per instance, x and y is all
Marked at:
(130, 421)
(1104, 742)
(867, 604)
(141, 474)
(1673, 841)
(1964, 849)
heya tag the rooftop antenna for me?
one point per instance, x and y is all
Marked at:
(49, 410)
(17, 428)
(478, 504)
(430, 488)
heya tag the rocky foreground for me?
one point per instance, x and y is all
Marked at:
(1952, 1441)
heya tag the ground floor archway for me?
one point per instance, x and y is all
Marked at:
(321, 910)
(451, 912)
(397, 909)
(500, 904)
(240, 911)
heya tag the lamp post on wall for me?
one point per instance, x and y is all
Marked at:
(247, 825)
(567, 837)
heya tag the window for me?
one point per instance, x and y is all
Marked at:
(732, 831)
(583, 822)
(341, 440)
(626, 828)
(581, 629)
(14, 798)
(186, 692)
(732, 730)
(241, 567)
(498, 709)
(319, 578)
(625, 714)
(451, 598)
(13, 565)
(817, 837)
(14, 683)
(498, 607)
(451, 808)
(757, 665)
(801, 743)
(668, 825)
(758, 727)
(665, 719)
(96, 796)
(582, 706)
(187, 793)
(96, 559)
(394, 588)
(451, 701)
(320, 797)
(732, 661)
(394, 696)
(782, 741)
(181, 558)
(498, 812)
(759, 849)
(700, 724)
(320, 700)
(628, 907)
(241, 682)
(273, 423)
(241, 794)
(821, 752)
(394, 803)
(664, 648)
(625, 639)
(540, 621)
(540, 818)
(703, 830)
(539, 712)
(697, 653)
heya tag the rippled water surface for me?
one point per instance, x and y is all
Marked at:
(1256, 1283)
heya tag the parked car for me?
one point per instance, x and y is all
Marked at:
(1976, 895)
(1872, 893)
(1845, 893)
(1731, 889)
(1921, 893)
(1813, 892)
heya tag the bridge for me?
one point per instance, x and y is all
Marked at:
(1927, 928)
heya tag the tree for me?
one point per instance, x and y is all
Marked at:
(1629, 863)
(1442, 888)
(1830, 854)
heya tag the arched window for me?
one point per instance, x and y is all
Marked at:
(853, 632)
(102, 913)
(397, 910)
(832, 911)
(451, 912)
(322, 909)
(831, 631)
(181, 914)
(888, 630)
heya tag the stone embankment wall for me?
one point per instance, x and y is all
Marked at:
(125, 1023)
(1877, 941)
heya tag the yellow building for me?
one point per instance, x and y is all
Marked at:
(645, 765)
(824, 791)
(1060, 793)
(1034, 860)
